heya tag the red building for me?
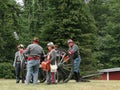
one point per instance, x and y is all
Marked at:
(110, 74)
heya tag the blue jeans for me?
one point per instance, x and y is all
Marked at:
(32, 69)
(77, 64)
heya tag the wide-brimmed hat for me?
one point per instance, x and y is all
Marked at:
(20, 46)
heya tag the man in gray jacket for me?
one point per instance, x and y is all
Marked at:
(74, 51)
(51, 59)
(17, 62)
(34, 52)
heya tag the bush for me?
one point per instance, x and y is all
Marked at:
(7, 71)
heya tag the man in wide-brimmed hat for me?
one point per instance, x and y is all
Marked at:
(17, 62)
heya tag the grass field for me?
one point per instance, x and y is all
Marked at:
(71, 85)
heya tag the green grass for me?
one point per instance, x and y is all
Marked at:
(72, 85)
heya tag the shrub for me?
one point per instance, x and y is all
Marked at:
(7, 71)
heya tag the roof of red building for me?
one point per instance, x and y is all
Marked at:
(109, 70)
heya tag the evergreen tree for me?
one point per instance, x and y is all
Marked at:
(106, 13)
(71, 19)
(8, 24)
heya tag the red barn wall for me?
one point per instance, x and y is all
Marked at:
(104, 76)
(114, 75)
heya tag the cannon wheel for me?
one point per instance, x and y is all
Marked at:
(41, 75)
(65, 66)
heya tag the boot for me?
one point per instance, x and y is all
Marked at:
(17, 80)
(23, 80)
(75, 76)
(78, 77)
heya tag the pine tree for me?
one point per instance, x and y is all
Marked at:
(8, 24)
(107, 14)
(71, 19)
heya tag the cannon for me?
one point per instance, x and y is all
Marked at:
(64, 71)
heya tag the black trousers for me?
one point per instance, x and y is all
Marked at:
(18, 72)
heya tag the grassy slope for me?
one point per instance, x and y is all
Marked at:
(93, 85)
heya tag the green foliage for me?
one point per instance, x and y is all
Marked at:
(71, 19)
(8, 24)
(107, 14)
(6, 70)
